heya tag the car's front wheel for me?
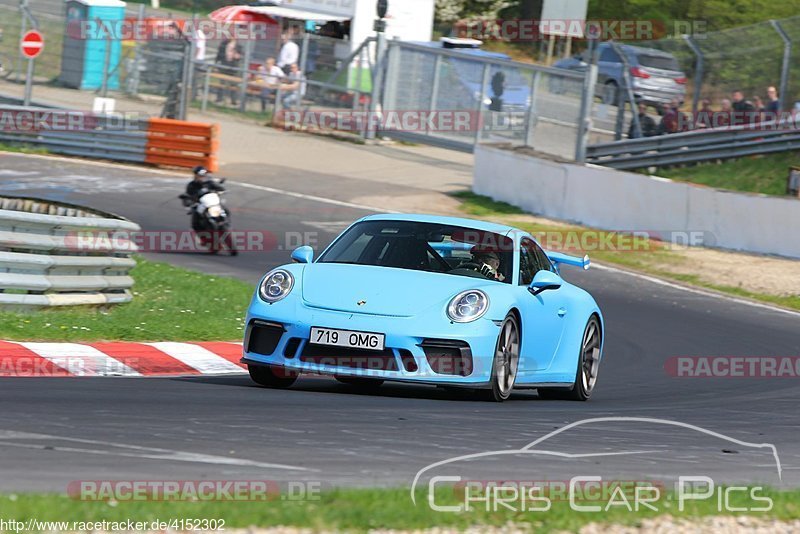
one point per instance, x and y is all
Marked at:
(588, 365)
(506, 360)
(272, 377)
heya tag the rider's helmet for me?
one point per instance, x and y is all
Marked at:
(200, 171)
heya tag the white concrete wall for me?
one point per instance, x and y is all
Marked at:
(617, 200)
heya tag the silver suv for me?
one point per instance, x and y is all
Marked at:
(656, 76)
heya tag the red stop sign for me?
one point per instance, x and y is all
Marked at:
(32, 44)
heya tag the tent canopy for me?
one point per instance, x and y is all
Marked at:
(292, 13)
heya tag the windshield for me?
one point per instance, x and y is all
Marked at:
(425, 247)
(659, 62)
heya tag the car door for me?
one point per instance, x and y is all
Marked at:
(609, 66)
(543, 315)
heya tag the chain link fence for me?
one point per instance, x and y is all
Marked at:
(497, 100)
(748, 59)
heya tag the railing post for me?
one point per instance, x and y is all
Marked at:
(698, 72)
(304, 53)
(587, 98)
(487, 68)
(206, 83)
(533, 115)
(437, 65)
(248, 49)
(133, 84)
(393, 52)
(786, 65)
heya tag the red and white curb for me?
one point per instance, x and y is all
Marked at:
(30, 359)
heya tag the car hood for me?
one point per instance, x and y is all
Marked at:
(382, 290)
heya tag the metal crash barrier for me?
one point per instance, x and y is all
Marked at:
(54, 254)
(696, 146)
(116, 137)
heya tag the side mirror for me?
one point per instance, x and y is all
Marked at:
(544, 281)
(303, 254)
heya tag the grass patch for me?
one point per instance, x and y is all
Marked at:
(360, 510)
(635, 253)
(169, 304)
(759, 174)
(22, 149)
(481, 206)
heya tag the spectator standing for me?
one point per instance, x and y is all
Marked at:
(723, 117)
(773, 107)
(199, 44)
(740, 105)
(270, 77)
(289, 54)
(742, 109)
(200, 66)
(295, 89)
(646, 123)
(229, 55)
(673, 120)
(705, 116)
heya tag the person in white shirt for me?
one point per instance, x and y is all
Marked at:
(289, 54)
(270, 77)
(199, 44)
(199, 38)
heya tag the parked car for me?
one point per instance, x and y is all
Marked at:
(656, 76)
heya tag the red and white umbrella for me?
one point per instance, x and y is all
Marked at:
(240, 14)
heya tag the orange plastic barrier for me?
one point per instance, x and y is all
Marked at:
(177, 143)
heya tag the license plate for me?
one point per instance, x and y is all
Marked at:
(347, 338)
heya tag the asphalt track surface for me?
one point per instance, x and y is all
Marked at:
(53, 431)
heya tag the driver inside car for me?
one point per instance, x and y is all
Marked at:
(486, 262)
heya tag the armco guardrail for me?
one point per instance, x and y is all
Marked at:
(114, 137)
(696, 146)
(53, 255)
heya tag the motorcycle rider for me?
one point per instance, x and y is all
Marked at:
(201, 182)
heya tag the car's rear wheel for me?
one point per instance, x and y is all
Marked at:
(359, 382)
(272, 377)
(506, 360)
(588, 366)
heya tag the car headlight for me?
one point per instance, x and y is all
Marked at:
(276, 285)
(468, 306)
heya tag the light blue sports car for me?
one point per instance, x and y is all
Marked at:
(430, 300)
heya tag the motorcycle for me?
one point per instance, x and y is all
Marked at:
(213, 219)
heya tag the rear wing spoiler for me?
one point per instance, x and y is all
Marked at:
(564, 259)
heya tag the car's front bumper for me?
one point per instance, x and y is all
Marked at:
(424, 349)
